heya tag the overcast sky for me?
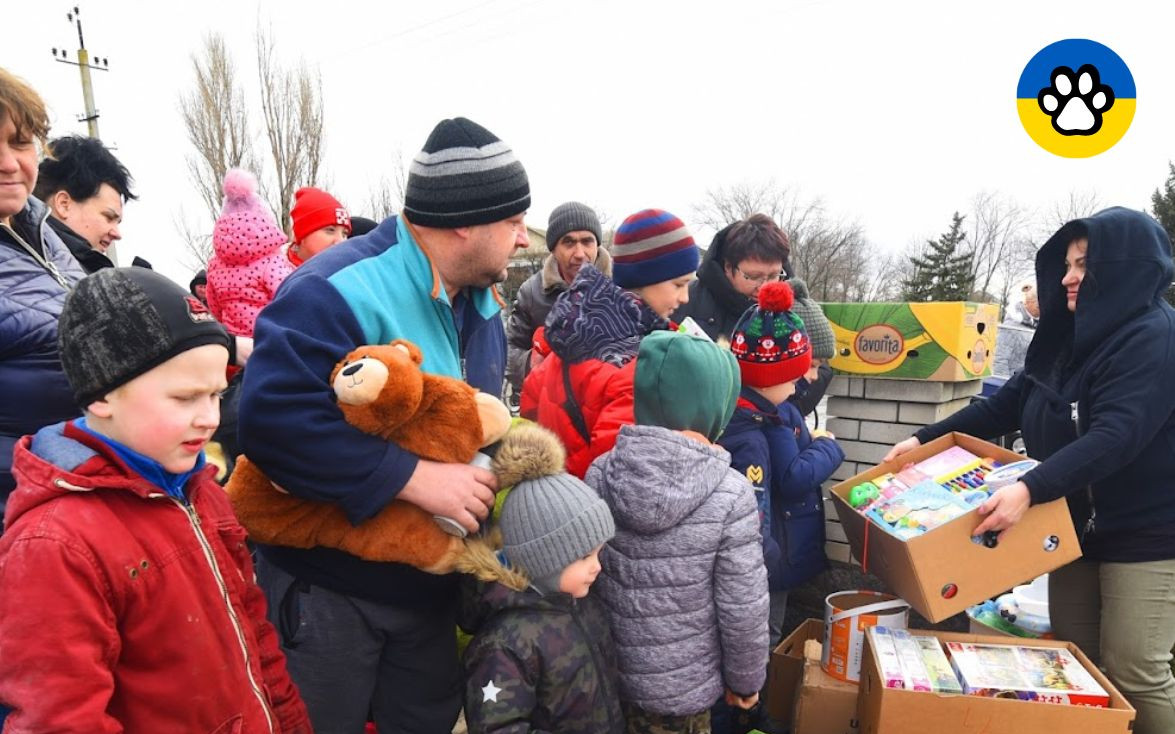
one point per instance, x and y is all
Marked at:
(894, 113)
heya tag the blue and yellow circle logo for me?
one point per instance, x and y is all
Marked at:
(1076, 98)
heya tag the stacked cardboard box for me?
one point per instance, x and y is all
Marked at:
(870, 415)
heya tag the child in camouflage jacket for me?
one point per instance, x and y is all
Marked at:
(541, 659)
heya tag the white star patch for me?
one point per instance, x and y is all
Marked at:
(490, 692)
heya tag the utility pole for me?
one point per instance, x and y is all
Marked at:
(84, 65)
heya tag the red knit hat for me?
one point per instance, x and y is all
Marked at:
(315, 209)
(769, 341)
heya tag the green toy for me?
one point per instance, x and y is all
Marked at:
(863, 494)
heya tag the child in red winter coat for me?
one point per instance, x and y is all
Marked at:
(127, 599)
(582, 390)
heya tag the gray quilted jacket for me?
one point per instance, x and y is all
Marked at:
(683, 580)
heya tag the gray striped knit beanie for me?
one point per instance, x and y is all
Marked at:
(464, 176)
(121, 322)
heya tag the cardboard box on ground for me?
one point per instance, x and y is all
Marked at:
(884, 710)
(943, 571)
(824, 705)
(801, 694)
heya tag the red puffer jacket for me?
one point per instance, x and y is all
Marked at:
(603, 393)
(123, 609)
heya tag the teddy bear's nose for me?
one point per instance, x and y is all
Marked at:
(352, 369)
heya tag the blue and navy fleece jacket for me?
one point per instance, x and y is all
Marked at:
(369, 290)
(772, 447)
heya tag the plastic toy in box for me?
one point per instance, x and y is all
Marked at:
(1043, 674)
(945, 342)
(920, 508)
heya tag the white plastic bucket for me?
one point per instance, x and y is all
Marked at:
(847, 614)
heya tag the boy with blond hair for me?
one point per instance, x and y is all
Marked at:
(127, 599)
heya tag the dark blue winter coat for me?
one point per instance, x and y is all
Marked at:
(1096, 399)
(33, 286)
(369, 290)
(772, 447)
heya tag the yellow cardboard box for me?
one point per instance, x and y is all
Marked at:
(944, 342)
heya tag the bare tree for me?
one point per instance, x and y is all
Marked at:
(831, 255)
(999, 229)
(386, 197)
(215, 120)
(726, 204)
(291, 107)
(1075, 205)
(197, 242)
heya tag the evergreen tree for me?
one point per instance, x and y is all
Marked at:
(943, 273)
(1163, 207)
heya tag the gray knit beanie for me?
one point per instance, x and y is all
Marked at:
(815, 322)
(121, 322)
(463, 177)
(550, 519)
(572, 217)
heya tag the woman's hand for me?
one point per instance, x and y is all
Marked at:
(1004, 508)
(902, 447)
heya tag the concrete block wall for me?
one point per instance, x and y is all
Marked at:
(868, 415)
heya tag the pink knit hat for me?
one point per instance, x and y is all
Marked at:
(246, 228)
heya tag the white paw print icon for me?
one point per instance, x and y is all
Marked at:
(1076, 101)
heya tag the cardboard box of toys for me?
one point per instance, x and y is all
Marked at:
(785, 669)
(944, 342)
(968, 684)
(924, 549)
(824, 705)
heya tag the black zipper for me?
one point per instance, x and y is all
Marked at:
(1091, 523)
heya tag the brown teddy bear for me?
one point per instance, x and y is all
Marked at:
(381, 390)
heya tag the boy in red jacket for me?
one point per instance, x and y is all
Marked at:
(127, 600)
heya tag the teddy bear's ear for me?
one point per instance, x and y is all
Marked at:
(412, 350)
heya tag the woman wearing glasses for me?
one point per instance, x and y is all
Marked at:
(742, 257)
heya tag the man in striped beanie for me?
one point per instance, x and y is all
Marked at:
(426, 276)
(654, 256)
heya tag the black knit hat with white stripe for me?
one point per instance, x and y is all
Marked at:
(464, 176)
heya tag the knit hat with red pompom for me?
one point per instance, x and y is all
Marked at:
(769, 341)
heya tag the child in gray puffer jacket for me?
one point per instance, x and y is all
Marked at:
(683, 579)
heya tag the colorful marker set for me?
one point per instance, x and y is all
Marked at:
(971, 476)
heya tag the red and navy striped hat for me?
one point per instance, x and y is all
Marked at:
(652, 246)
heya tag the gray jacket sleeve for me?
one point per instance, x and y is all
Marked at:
(740, 593)
(519, 332)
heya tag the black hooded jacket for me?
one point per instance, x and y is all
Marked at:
(713, 302)
(90, 259)
(1096, 399)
